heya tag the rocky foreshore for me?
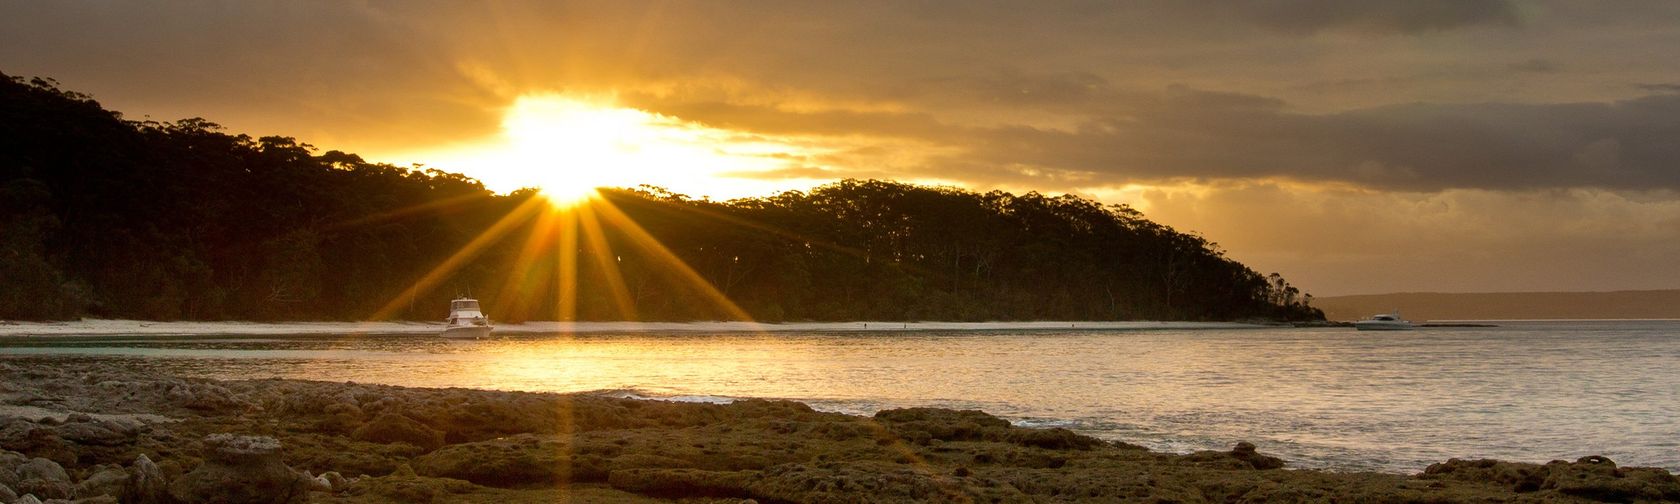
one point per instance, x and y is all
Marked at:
(87, 431)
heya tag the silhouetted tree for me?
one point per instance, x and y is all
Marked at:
(182, 220)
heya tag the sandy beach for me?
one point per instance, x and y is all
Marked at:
(105, 433)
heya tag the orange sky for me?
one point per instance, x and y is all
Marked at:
(1356, 147)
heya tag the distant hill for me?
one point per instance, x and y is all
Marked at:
(1419, 306)
(182, 221)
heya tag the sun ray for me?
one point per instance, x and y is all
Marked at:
(640, 238)
(567, 273)
(603, 254)
(518, 281)
(513, 218)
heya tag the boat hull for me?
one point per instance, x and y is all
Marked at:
(1381, 326)
(467, 332)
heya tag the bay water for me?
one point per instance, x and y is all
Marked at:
(1322, 398)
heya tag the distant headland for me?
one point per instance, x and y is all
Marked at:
(1633, 304)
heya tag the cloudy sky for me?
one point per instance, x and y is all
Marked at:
(1355, 147)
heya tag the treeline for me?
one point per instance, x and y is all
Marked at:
(137, 219)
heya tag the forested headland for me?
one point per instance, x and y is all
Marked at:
(106, 217)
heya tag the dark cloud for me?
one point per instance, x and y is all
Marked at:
(1666, 87)
(1377, 16)
(1535, 65)
(1621, 145)
(1015, 87)
(1185, 133)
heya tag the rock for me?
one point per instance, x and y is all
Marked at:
(146, 484)
(9, 460)
(27, 499)
(44, 479)
(522, 460)
(45, 488)
(86, 430)
(869, 481)
(918, 425)
(1593, 477)
(317, 483)
(1246, 452)
(1597, 478)
(647, 461)
(343, 417)
(36, 439)
(1518, 477)
(205, 397)
(241, 469)
(335, 480)
(1242, 456)
(1052, 439)
(410, 489)
(6, 493)
(682, 482)
(393, 428)
(105, 480)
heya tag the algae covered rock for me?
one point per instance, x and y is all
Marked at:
(944, 425)
(36, 439)
(508, 462)
(1242, 456)
(105, 480)
(1246, 452)
(40, 468)
(1598, 478)
(83, 429)
(1594, 477)
(9, 461)
(44, 479)
(393, 428)
(683, 482)
(1517, 477)
(410, 488)
(240, 469)
(923, 426)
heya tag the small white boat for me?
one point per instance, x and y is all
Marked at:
(1384, 322)
(466, 320)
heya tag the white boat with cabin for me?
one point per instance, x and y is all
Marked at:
(1384, 322)
(466, 320)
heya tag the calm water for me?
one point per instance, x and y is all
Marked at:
(1318, 397)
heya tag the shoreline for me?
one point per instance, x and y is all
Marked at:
(118, 327)
(143, 436)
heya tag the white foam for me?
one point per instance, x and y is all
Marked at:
(690, 398)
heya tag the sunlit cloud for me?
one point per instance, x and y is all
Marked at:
(569, 145)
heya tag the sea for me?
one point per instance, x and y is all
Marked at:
(1329, 398)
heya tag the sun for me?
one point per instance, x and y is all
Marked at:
(568, 146)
